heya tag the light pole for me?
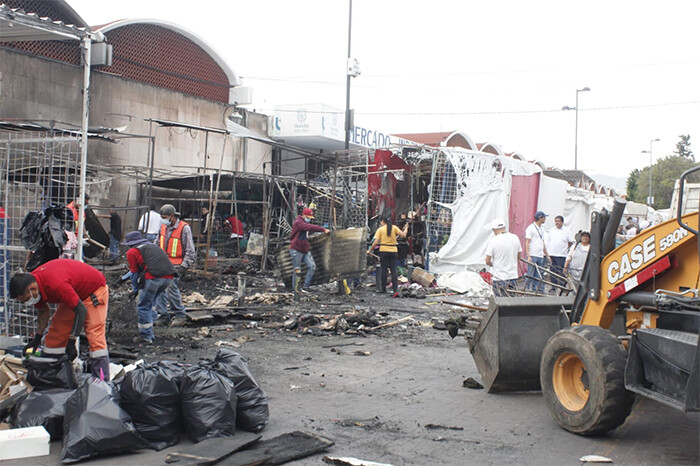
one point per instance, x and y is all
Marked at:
(585, 89)
(650, 199)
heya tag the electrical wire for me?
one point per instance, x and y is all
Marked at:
(499, 112)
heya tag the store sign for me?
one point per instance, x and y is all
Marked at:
(322, 121)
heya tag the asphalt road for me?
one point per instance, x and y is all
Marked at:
(380, 406)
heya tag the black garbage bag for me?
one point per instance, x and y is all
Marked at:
(208, 402)
(47, 373)
(174, 370)
(252, 411)
(43, 233)
(30, 231)
(42, 409)
(94, 424)
(150, 394)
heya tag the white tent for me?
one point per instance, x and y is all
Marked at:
(483, 193)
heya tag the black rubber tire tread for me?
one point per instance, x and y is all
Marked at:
(604, 357)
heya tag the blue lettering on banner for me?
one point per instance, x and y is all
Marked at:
(369, 138)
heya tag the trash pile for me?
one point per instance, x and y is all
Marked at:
(359, 321)
(415, 282)
(148, 406)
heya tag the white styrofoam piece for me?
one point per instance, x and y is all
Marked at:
(24, 443)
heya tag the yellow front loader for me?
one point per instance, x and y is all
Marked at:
(632, 328)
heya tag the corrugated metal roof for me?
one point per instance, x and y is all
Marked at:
(342, 253)
(18, 25)
(573, 177)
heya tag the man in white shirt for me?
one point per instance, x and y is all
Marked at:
(536, 252)
(559, 240)
(502, 255)
(149, 224)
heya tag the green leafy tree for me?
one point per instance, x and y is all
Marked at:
(632, 185)
(664, 174)
(683, 147)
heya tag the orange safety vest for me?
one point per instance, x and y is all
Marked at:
(75, 212)
(174, 248)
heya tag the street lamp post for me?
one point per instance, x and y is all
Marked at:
(650, 199)
(585, 89)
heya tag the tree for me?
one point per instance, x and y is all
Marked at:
(632, 185)
(664, 174)
(683, 147)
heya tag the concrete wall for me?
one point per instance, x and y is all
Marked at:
(39, 89)
(36, 88)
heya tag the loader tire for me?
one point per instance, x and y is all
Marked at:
(582, 372)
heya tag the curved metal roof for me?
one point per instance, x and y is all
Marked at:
(233, 78)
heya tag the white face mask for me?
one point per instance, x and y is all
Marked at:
(307, 220)
(34, 299)
(165, 221)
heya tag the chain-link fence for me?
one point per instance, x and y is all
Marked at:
(37, 169)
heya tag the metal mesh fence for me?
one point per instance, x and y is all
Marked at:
(350, 198)
(37, 169)
(443, 191)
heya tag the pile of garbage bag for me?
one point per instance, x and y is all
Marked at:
(148, 408)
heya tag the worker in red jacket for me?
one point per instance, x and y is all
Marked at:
(81, 293)
(151, 273)
(300, 249)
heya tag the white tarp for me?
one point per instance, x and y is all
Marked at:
(483, 193)
(552, 199)
(467, 282)
(580, 203)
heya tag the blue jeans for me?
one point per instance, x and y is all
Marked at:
(172, 296)
(152, 290)
(113, 246)
(151, 236)
(297, 259)
(531, 284)
(558, 267)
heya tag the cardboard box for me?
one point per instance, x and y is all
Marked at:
(24, 443)
(423, 277)
(11, 373)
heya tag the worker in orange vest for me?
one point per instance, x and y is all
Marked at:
(175, 239)
(74, 208)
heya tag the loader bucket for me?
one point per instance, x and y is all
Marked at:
(507, 346)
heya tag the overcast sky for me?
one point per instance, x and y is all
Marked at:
(499, 71)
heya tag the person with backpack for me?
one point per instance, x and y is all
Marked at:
(151, 274)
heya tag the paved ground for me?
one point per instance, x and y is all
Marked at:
(377, 407)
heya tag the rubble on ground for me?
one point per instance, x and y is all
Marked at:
(219, 318)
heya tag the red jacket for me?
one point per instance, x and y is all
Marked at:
(66, 281)
(299, 239)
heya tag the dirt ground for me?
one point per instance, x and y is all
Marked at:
(392, 395)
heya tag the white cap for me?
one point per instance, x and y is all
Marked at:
(497, 223)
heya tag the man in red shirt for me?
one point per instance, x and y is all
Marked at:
(152, 273)
(299, 249)
(236, 227)
(81, 294)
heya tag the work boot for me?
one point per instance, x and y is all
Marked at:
(161, 322)
(178, 322)
(141, 341)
